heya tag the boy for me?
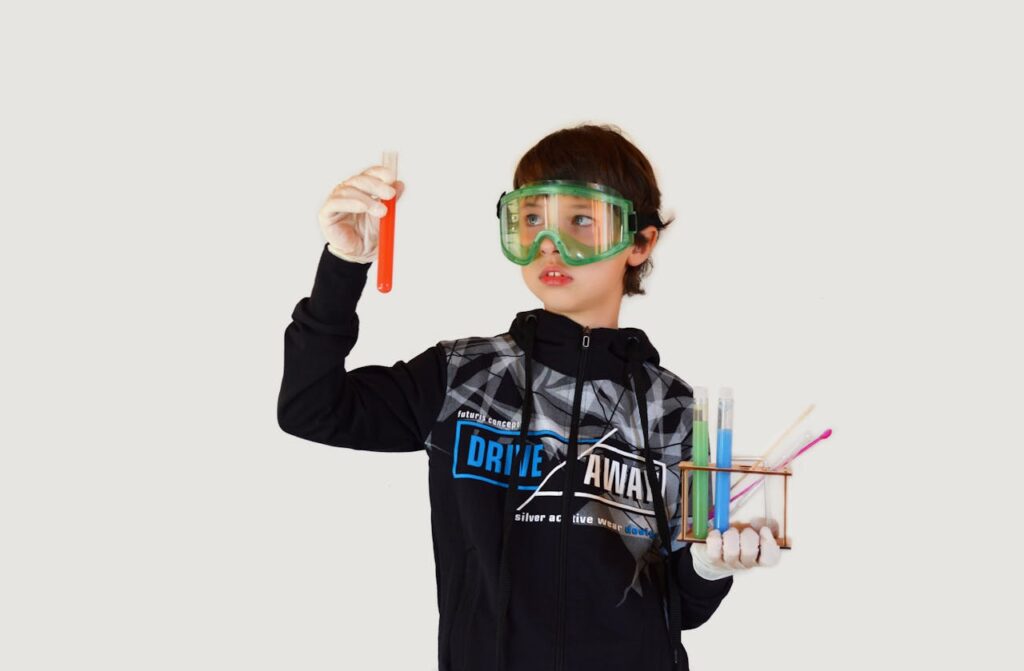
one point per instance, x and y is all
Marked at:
(552, 447)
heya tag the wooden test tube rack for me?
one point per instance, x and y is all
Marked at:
(685, 532)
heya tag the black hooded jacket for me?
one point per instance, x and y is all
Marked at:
(552, 556)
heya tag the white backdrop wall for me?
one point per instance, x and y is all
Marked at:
(846, 178)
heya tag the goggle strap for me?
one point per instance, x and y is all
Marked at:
(641, 221)
(497, 207)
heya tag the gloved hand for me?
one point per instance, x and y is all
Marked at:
(350, 217)
(729, 553)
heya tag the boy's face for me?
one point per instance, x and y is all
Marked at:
(590, 291)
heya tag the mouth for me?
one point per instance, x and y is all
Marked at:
(555, 276)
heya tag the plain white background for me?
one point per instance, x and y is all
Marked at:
(847, 181)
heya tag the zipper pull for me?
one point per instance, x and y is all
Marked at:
(586, 337)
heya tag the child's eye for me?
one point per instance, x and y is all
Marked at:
(581, 220)
(532, 219)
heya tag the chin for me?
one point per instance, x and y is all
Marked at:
(552, 296)
(560, 300)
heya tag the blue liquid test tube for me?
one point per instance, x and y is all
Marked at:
(723, 459)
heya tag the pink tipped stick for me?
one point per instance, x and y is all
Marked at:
(823, 436)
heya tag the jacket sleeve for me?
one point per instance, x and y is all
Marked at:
(700, 597)
(378, 408)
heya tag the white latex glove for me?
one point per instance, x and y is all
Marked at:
(729, 553)
(350, 217)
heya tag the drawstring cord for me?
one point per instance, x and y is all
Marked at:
(636, 372)
(504, 572)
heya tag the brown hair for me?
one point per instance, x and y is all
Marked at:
(602, 154)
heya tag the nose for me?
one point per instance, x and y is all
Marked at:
(547, 247)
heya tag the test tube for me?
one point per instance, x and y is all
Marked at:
(386, 241)
(700, 454)
(723, 459)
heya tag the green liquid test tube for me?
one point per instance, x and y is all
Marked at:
(701, 451)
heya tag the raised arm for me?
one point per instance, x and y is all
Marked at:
(379, 408)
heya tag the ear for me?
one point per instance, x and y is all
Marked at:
(638, 255)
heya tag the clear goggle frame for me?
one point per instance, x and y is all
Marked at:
(586, 221)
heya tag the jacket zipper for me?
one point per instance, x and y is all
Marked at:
(568, 491)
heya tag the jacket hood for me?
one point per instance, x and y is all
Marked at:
(557, 340)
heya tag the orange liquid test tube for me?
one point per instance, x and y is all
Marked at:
(386, 240)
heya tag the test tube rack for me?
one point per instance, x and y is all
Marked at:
(687, 467)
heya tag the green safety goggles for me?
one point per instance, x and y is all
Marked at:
(587, 222)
